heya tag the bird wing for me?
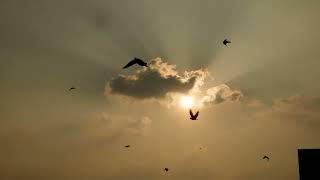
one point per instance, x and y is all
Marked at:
(225, 42)
(196, 115)
(190, 112)
(140, 62)
(138, 59)
(130, 64)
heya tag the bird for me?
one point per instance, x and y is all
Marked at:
(136, 61)
(166, 169)
(72, 88)
(127, 146)
(226, 41)
(193, 117)
(266, 157)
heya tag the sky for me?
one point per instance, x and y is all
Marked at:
(257, 96)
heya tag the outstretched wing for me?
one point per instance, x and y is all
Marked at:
(190, 112)
(225, 42)
(141, 62)
(138, 59)
(130, 64)
(196, 115)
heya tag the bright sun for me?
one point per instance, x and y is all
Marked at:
(186, 101)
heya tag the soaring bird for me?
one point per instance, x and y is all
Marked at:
(166, 169)
(266, 157)
(226, 41)
(193, 117)
(136, 61)
(72, 88)
(127, 146)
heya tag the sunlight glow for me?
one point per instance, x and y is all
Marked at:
(186, 101)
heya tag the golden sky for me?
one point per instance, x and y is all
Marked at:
(258, 96)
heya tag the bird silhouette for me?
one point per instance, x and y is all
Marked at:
(266, 157)
(226, 41)
(166, 169)
(127, 146)
(193, 117)
(72, 88)
(136, 61)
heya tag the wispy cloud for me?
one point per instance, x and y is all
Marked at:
(295, 108)
(220, 94)
(110, 125)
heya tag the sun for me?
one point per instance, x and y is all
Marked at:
(186, 101)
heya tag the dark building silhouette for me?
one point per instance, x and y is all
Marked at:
(309, 164)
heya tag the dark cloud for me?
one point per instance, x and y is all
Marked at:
(154, 82)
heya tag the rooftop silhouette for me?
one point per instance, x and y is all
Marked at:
(309, 164)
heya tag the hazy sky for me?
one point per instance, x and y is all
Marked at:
(259, 96)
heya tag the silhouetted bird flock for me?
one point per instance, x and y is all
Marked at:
(193, 117)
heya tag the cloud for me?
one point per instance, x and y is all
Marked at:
(220, 94)
(109, 126)
(163, 84)
(156, 81)
(255, 103)
(295, 108)
(162, 81)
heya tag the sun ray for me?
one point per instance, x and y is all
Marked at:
(187, 101)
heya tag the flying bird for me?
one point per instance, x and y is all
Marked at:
(266, 157)
(136, 61)
(127, 146)
(72, 88)
(166, 169)
(193, 117)
(226, 41)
